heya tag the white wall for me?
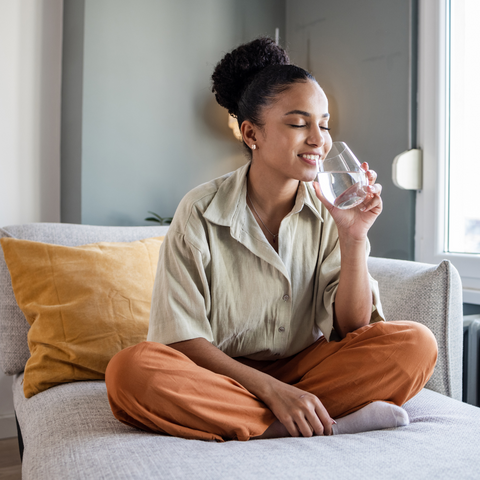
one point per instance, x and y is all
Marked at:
(30, 85)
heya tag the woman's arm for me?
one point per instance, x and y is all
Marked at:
(353, 299)
(294, 408)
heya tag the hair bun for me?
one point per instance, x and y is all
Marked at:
(237, 69)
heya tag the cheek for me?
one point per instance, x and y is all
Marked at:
(328, 143)
(282, 141)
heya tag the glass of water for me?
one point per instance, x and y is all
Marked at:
(341, 178)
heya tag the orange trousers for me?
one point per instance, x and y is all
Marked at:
(158, 389)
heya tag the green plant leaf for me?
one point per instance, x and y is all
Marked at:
(157, 218)
(155, 215)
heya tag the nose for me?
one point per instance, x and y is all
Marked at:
(316, 137)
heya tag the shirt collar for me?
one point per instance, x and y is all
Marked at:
(310, 199)
(230, 200)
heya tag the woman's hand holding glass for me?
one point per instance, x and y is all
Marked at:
(348, 191)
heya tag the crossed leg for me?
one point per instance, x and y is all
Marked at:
(156, 388)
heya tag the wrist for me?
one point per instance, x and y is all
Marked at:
(256, 382)
(352, 244)
(353, 253)
(266, 388)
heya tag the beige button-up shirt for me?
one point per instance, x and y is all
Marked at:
(219, 278)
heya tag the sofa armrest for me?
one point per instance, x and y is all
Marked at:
(431, 295)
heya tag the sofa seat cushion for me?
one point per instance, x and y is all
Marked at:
(70, 432)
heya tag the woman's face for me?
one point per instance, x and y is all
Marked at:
(294, 133)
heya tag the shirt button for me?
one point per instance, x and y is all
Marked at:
(281, 329)
(285, 297)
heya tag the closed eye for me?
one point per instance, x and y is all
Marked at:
(302, 126)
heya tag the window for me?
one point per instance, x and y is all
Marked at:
(448, 212)
(463, 213)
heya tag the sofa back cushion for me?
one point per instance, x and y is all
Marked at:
(14, 328)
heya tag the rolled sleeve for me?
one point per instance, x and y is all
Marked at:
(181, 297)
(377, 310)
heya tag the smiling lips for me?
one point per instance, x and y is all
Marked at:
(311, 159)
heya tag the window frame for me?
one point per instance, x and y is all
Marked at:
(431, 201)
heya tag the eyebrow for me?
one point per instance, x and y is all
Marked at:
(305, 114)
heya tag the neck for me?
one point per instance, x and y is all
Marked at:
(270, 200)
(274, 197)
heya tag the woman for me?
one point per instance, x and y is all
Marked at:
(265, 321)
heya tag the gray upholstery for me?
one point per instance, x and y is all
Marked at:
(70, 432)
(431, 295)
(409, 291)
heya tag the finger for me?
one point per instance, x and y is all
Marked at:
(371, 191)
(371, 202)
(320, 419)
(304, 426)
(291, 427)
(320, 196)
(374, 189)
(364, 165)
(325, 418)
(371, 198)
(372, 176)
(316, 424)
(307, 421)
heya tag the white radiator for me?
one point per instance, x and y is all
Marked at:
(471, 359)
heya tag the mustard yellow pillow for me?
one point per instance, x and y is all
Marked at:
(84, 304)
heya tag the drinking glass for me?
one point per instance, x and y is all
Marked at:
(341, 177)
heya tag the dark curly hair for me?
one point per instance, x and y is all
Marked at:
(251, 76)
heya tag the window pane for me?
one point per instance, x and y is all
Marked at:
(463, 171)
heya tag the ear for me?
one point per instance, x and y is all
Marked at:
(248, 130)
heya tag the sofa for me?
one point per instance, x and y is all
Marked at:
(68, 431)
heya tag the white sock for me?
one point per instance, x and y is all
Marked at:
(375, 416)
